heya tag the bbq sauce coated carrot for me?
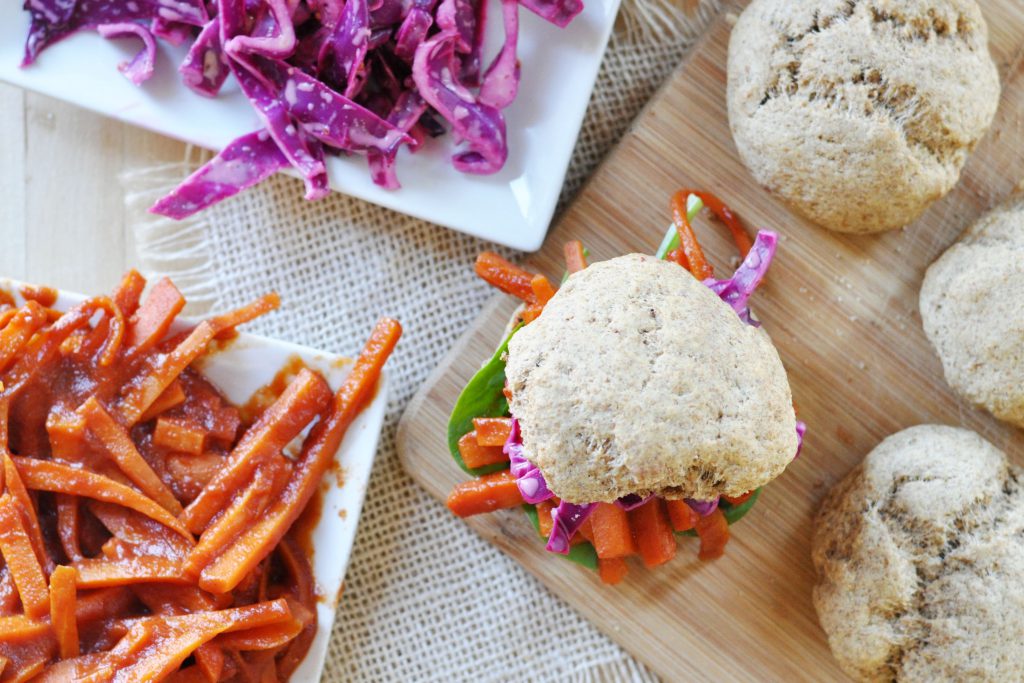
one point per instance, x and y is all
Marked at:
(497, 491)
(653, 533)
(142, 537)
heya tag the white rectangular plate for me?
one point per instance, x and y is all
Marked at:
(513, 207)
(241, 367)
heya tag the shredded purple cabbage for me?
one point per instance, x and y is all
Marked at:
(801, 429)
(568, 518)
(364, 77)
(529, 480)
(737, 290)
(243, 163)
(140, 67)
(702, 507)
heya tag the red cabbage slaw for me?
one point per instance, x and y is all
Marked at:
(362, 77)
(568, 517)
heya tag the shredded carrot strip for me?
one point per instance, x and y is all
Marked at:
(262, 637)
(26, 507)
(180, 636)
(63, 598)
(152, 320)
(128, 292)
(24, 322)
(136, 530)
(144, 392)
(492, 431)
(6, 313)
(243, 511)
(318, 451)
(45, 346)
(575, 257)
(21, 560)
(724, 214)
(682, 515)
(474, 455)
(172, 396)
(182, 436)
(531, 312)
(45, 475)
(117, 445)
(688, 244)
(228, 321)
(488, 493)
(305, 396)
(103, 573)
(612, 570)
(505, 276)
(713, 530)
(542, 289)
(19, 627)
(740, 499)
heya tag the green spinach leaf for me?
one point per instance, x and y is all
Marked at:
(484, 396)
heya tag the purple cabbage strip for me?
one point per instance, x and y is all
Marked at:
(407, 111)
(270, 107)
(702, 507)
(206, 66)
(558, 12)
(346, 48)
(273, 35)
(568, 518)
(529, 480)
(801, 430)
(333, 119)
(243, 163)
(173, 32)
(736, 290)
(533, 487)
(482, 127)
(411, 33)
(458, 17)
(325, 76)
(501, 82)
(140, 67)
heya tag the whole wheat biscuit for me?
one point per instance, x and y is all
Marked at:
(972, 307)
(638, 379)
(919, 554)
(860, 113)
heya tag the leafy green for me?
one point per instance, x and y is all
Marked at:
(582, 554)
(733, 513)
(484, 396)
(671, 239)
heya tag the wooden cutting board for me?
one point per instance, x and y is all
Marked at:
(842, 311)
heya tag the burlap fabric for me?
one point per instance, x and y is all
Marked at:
(425, 599)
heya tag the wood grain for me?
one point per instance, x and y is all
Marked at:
(62, 209)
(843, 313)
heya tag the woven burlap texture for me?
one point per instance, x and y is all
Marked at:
(425, 598)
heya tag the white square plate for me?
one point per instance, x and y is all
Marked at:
(241, 367)
(513, 207)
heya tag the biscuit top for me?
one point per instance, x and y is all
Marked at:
(971, 307)
(860, 112)
(638, 379)
(920, 561)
